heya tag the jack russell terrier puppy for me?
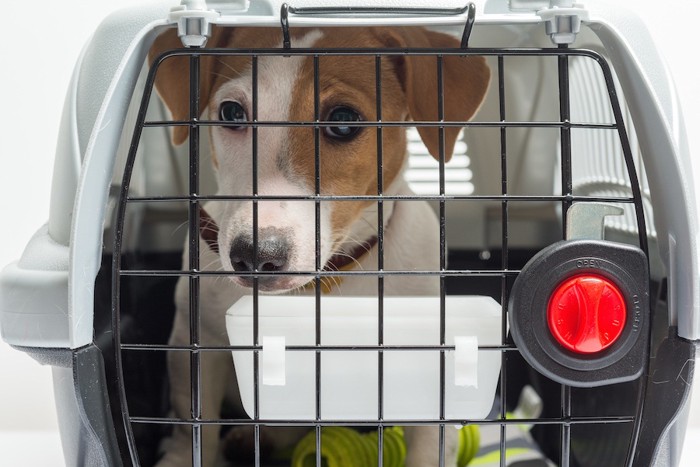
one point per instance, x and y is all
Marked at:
(286, 167)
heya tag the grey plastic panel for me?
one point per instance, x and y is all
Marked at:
(124, 34)
(653, 102)
(34, 308)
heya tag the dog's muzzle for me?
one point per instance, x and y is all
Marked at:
(273, 254)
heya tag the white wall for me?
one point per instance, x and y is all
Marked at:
(35, 72)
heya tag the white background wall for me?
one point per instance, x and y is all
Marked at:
(42, 40)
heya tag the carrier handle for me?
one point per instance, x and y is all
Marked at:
(373, 10)
(286, 10)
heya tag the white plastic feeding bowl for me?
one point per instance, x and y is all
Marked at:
(349, 378)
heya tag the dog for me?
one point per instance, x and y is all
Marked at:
(286, 239)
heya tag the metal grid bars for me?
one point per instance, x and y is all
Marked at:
(505, 274)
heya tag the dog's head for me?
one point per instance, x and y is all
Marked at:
(285, 155)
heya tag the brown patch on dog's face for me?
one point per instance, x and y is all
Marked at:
(348, 166)
(172, 78)
(409, 91)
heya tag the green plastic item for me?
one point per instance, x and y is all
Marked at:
(345, 447)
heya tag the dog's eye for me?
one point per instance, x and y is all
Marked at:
(232, 111)
(343, 114)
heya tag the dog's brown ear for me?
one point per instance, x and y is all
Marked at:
(173, 76)
(465, 82)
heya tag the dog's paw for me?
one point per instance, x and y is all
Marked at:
(423, 447)
(238, 444)
(431, 458)
(175, 460)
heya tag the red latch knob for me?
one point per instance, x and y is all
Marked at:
(586, 313)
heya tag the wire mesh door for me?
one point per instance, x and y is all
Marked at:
(495, 272)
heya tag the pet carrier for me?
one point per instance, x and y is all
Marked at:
(553, 310)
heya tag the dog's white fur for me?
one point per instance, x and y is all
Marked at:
(410, 242)
(276, 79)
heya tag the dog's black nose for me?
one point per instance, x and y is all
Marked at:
(273, 251)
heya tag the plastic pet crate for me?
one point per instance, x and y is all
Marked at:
(565, 266)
